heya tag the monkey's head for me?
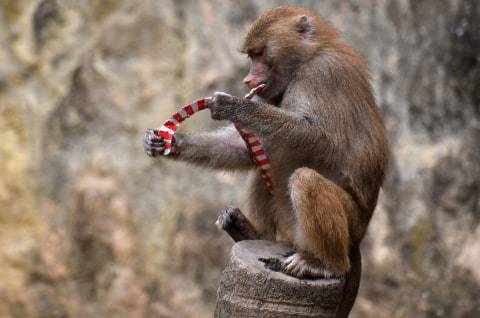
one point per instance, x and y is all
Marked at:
(278, 43)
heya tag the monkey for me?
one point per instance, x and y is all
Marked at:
(323, 132)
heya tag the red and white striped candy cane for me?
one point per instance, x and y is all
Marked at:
(254, 144)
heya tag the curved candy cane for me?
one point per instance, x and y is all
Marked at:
(168, 129)
(254, 144)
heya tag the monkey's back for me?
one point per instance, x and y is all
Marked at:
(333, 90)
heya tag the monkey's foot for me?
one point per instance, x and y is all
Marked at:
(302, 266)
(272, 263)
(232, 221)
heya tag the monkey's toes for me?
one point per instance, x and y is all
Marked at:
(301, 266)
(272, 263)
(287, 254)
(228, 218)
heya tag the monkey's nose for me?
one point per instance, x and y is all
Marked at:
(249, 82)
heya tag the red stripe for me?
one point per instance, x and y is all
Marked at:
(189, 110)
(264, 172)
(259, 152)
(178, 117)
(249, 135)
(201, 104)
(170, 125)
(164, 134)
(262, 162)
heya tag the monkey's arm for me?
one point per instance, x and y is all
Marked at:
(270, 121)
(220, 149)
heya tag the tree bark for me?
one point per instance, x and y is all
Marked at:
(249, 289)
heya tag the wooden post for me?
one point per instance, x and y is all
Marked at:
(249, 289)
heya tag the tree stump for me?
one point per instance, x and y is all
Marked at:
(249, 289)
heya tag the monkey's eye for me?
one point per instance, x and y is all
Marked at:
(255, 54)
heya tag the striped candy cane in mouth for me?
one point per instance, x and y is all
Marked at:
(254, 144)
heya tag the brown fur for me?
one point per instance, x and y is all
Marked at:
(321, 209)
(323, 133)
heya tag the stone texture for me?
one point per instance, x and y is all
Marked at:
(249, 289)
(84, 213)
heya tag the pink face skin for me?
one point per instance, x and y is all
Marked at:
(262, 72)
(258, 74)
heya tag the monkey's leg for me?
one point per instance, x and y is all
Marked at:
(232, 221)
(258, 222)
(321, 235)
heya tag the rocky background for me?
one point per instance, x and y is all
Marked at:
(91, 227)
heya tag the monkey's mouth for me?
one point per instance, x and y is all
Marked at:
(270, 93)
(254, 91)
(261, 88)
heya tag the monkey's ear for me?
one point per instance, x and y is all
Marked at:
(305, 25)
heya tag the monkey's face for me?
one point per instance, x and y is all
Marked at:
(262, 71)
(277, 47)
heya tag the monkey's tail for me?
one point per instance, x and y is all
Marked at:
(352, 284)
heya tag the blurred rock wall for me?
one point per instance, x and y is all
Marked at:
(91, 227)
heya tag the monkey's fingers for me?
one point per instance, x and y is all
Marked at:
(153, 150)
(152, 136)
(156, 142)
(158, 150)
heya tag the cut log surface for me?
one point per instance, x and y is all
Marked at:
(249, 289)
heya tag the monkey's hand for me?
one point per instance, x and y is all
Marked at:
(223, 106)
(153, 144)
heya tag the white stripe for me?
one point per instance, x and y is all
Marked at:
(183, 113)
(195, 107)
(252, 139)
(261, 157)
(173, 120)
(257, 148)
(265, 166)
(168, 130)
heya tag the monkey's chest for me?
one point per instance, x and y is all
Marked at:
(282, 162)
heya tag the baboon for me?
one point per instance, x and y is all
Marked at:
(322, 130)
